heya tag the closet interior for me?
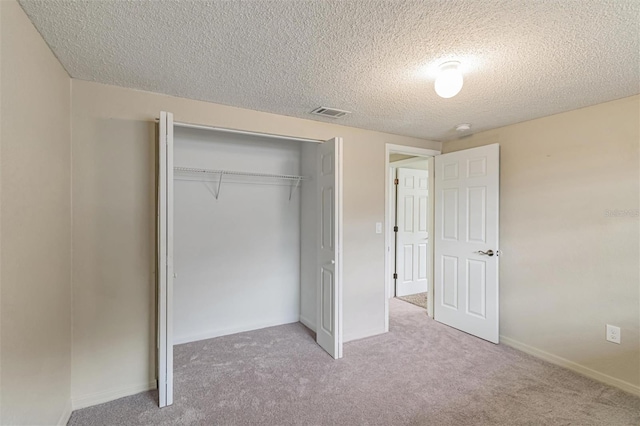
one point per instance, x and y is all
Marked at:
(245, 233)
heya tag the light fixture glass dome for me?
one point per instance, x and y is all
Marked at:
(449, 81)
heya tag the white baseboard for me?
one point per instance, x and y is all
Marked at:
(570, 365)
(311, 325)
(66, 414)
(233, 330)
(109, 395)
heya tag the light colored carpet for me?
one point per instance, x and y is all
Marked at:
(420, 373)
(418, 299)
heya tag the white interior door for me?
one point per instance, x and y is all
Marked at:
(329, 296)
(165, 260)
(466, 240)
(412, 231)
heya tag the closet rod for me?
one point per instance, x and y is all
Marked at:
(222, 173)
(243, 132)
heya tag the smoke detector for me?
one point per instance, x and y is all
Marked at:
(464, 127)
(330, 112)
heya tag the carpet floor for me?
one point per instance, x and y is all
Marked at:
(418, 299)
(420, 373)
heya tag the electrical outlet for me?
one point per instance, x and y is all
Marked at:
(613, 334)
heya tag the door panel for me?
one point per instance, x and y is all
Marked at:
(329, 308)
(477, 217)
(407, 224)
(412, 237)
(476, 288)
(328, 286)
(422, 266)
(449, 202)
(450, 282)
(466, 224)
(423, 213)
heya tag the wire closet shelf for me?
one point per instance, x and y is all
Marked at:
(209, 173)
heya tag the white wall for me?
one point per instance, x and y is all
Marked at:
(237, 258)
(35, 227)
(114, 209)
(569, 267)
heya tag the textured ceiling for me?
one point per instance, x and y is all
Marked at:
(523, 58)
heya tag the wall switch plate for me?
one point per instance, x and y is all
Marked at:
(378, 227)
(613, 334)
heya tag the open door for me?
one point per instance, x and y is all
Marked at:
(165, 260)
(329, 296)
(466, 240)
(412, 220)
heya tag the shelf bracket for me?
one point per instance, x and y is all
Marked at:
(219, 184)
(294, 187)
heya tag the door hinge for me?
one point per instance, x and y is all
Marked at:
(395, 229)
(396, 181)
(395, 276)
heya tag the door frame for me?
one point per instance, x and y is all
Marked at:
(388, 234)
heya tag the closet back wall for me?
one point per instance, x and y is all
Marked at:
(237, 258)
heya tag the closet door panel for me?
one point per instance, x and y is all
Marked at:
(329, 299)
(165, 260)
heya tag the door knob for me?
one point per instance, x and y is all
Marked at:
(486, 253)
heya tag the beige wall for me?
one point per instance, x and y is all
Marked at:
(35, 227)
(114, 230)
(567, 268)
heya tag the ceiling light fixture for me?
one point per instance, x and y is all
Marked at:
(449, 81)
(464, 127)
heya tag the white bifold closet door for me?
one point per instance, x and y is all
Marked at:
(329, 295)
(165, 260)
(329, 252)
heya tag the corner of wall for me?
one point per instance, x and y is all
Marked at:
(66, 414)
(70, 404)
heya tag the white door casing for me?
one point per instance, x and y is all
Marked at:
(412, 220)
(329, 296)
(466, 226)
(165, 260)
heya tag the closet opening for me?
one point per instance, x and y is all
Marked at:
(249, 237)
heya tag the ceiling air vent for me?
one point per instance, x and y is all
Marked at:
(330, 112)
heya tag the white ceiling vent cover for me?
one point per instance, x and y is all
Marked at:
(330, 112)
